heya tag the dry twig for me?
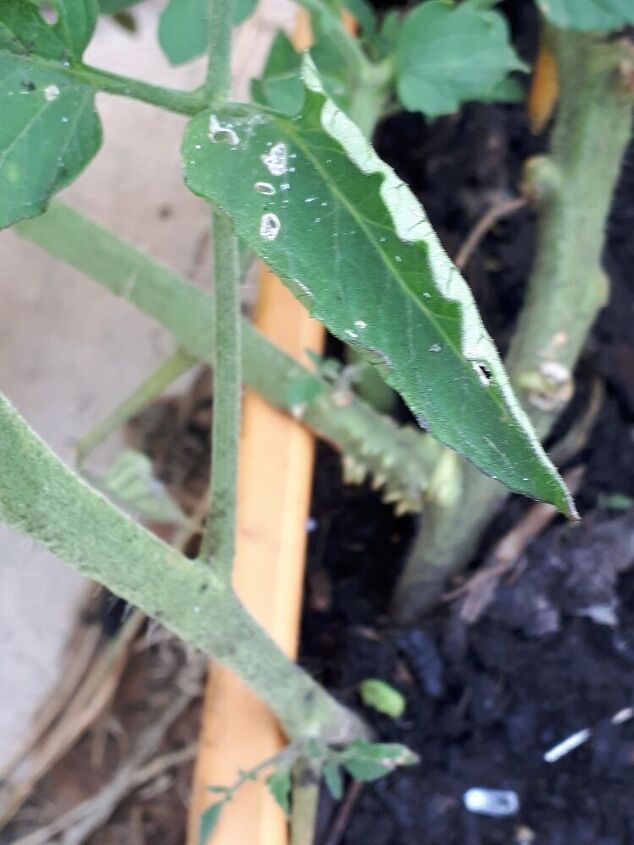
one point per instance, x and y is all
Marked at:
(91, 699)
(343, 814)
(83, 820)
(486, 222)
(479, 590)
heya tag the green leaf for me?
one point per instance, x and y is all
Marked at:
(279, 784)
(333, 779)
(113, 7)
(372, 760)
(208, 821)
(49, 129)
(588, 14)
(615, 501)
(183, 29)
(131, 483)
(312, 199)
(363, 12)
(303, 390)
(449, 54)
(280, 86)
(76, 23)
(382, 697)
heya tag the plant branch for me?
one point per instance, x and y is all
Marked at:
(283, 759)
(155, 384)
(180, 102)
(219, 540)
(487, 221)
(398, 458)
(220, 18)
(573, 190)
(43, 498)
(306, 782)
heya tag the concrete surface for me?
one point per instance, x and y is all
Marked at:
(69, 351)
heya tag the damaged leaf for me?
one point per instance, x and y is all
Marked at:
(312, 198)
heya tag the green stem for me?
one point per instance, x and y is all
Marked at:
(397, 457)
(181, 102)
(167, 373)
(306, 779)
(371, 95)
(41, 497)
(220, 19)
(220, 533)
(566, 290)
(219, 541)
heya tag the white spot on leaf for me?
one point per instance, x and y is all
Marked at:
(220, 133)
(51, 92)
(265, 188)
(276, 160)
(270, 226)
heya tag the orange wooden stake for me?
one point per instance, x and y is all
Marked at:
(276, 461)
(544, 90)
(274, 489)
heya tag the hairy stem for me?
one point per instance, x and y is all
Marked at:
(220, 18)
(43, 498)
(397, 457)
(306, 779)
(181, 102)
(219, 541)
(573, 188)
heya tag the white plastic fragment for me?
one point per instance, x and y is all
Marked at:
(567, 745)
(576, 739)
(491, 802)
(270, 226)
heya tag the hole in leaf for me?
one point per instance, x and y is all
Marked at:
(483, 372)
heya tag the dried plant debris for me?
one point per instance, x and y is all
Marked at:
(571, 571)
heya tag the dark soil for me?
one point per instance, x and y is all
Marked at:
(554, 652)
